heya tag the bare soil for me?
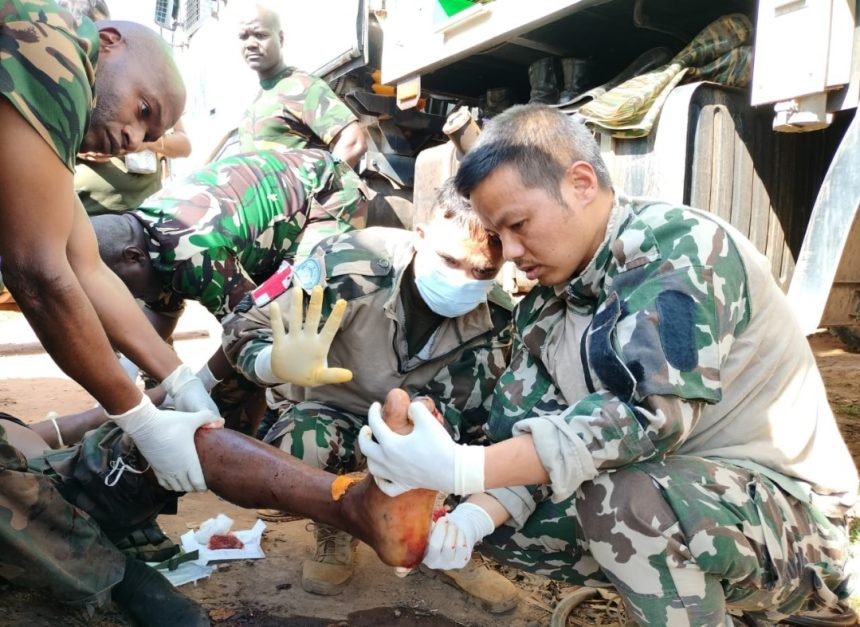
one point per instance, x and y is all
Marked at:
(268, 593)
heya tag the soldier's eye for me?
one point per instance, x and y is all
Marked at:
(449, 261)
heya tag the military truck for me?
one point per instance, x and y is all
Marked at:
(778, 159)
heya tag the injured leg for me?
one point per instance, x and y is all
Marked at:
(252, 474)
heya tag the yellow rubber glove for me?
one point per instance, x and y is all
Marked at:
(299, 357)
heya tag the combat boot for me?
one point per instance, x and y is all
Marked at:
(492, 590)
(576, 75)
(543, 82)
(147, 543)
(331, 566)
(152, 601)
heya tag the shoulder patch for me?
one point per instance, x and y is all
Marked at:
(677, 313)
(309, 273)
(274, 286)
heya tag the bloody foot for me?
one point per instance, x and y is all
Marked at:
(252, 474)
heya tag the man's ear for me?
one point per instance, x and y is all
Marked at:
(583, 178)
(421, 230)
(281, 37)
(109, 39)
(134, 255)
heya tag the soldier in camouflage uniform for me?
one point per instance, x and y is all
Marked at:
(214, 235)
(660, 400)
(293, 109)
(398, 331)
(48, 112)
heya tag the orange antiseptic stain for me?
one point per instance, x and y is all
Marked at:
(341, 484)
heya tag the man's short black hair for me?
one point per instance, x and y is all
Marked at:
(541, 142)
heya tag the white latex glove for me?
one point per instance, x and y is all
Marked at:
(166, 440)
(454, 536)
(129, 367)
(425, 458)
(299, 356)
(188, 392)
(207, 378)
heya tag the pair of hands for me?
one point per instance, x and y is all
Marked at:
(166, 438)
(427, 457)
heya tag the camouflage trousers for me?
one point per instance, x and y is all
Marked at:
(319, 435)
(683, 540)
(46, 542)
(240, 402)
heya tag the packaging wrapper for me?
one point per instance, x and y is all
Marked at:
(198, 541)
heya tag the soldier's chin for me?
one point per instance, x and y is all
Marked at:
(89, 144)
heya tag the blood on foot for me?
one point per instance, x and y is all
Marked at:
(440, 511)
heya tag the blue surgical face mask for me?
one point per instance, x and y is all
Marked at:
(448, 293)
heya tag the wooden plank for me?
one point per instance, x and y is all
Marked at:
(702, 160)
(742, 177)
(724, 157)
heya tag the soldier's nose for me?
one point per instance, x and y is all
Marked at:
(132, 137)
(511, 249)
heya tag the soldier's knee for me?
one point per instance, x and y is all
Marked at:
(625, 498)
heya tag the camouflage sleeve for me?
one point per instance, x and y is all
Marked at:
(246, 331)
(47, 71)
(518, 501)
(463, 389)
(654, 352)
(323, 112)
(338, 209)
(218, 281)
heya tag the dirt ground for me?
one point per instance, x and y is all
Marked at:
(267, 592)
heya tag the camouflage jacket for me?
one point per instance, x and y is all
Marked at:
(47, 71)
(215, 234)
(458, 366)
(675, 339)
(295, 110)
(106, 187)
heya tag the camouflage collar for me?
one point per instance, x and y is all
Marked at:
(268, 83)
(585, 289)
